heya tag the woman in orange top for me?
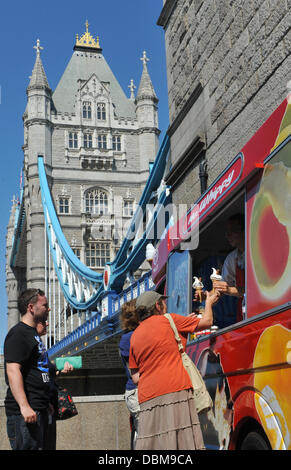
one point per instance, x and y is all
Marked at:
(168, 419)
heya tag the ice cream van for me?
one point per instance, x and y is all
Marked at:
(246, 359)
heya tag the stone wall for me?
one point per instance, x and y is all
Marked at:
(236, 53)
(102, 423)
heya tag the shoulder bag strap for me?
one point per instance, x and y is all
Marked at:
(174, 328)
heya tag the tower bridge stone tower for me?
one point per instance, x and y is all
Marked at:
(97, 145)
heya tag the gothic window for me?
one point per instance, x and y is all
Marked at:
(73, 140)
(87, 110)
(96, 202)
(102, 141)
(64, 205)
(88, 141)
(101, 111)
(128, 208)
(116, 143)
(97, 254)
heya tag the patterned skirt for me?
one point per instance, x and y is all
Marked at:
(169, 422)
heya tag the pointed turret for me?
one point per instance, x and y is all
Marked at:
(146, 89)
(38, 78)
(38, 141)
(147, 115)
(37, 115)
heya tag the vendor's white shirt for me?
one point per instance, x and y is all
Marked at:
(234, 258)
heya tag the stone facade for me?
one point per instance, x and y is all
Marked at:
(97, 146)
(228, 65)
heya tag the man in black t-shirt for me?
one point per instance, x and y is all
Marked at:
(27, 375)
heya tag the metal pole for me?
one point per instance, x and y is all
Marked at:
(59, 310)
(45, 273)
(54, 302)
(49, 297)
(65, 316)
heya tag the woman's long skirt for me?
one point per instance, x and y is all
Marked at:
(169, 422)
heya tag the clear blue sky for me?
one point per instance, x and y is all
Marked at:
(125, 28)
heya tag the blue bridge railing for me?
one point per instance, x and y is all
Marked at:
(104, 323)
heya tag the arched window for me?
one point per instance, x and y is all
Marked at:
(101, 141)
(64, 205)
(87, 114)
(116, 143)
(73, 140)
(128, 207)
(88, 141)
(96, 202)
(101, 111)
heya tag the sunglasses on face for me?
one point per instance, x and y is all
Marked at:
(38, 292)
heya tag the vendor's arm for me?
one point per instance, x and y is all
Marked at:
(224, 288)
(228, 285)
(16, 384)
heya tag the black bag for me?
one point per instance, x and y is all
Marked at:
(66, 406)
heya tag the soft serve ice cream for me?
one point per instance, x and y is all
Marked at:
(198, 286)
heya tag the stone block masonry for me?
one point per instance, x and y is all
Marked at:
(239, 52)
